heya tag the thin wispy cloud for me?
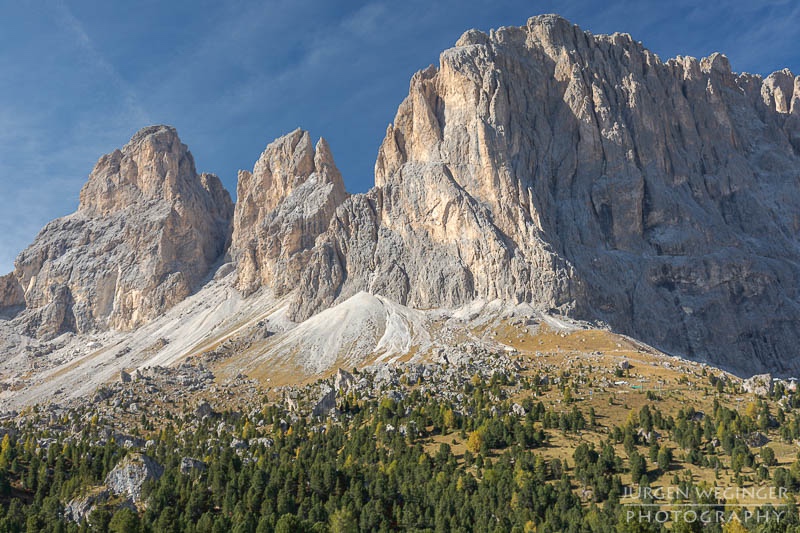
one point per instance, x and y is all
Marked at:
(131, 105)
(62, 105)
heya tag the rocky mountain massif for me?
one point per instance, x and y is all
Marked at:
(582, 173)
(542, 164)
(146, 233)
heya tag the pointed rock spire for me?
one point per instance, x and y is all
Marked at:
(283, 205)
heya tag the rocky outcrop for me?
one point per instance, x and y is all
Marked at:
(283, 205)
(11, 294)
(81, 507)
(343, 381)
(326, 404)
(145, 235)
(583, 174)
(760, 385)
(190, 465)
(128, 477)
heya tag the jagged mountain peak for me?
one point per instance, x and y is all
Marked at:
(157, 134)
(283, 205)
(286, 163)
(153, 166)
(146, 233)
(548, 165)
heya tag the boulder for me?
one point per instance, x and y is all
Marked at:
(131, 473)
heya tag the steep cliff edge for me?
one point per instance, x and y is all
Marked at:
(146, 232)
(282, 206)
(582, 173)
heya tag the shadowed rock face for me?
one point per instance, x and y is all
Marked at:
(11, 294)
(582, 173)
(10, 291)
(146, 232)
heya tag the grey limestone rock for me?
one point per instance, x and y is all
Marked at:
(760, 384)
(283, 205)
(131, 473)
(145, 235)
(583, 174)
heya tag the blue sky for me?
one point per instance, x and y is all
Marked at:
(78, 78)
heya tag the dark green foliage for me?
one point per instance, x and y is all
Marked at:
(388, 464)
(359, 474)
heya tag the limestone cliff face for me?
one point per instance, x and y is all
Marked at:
(11, 294)
(580, 172)
(283, 205)
(146, 232)
(537, 164)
